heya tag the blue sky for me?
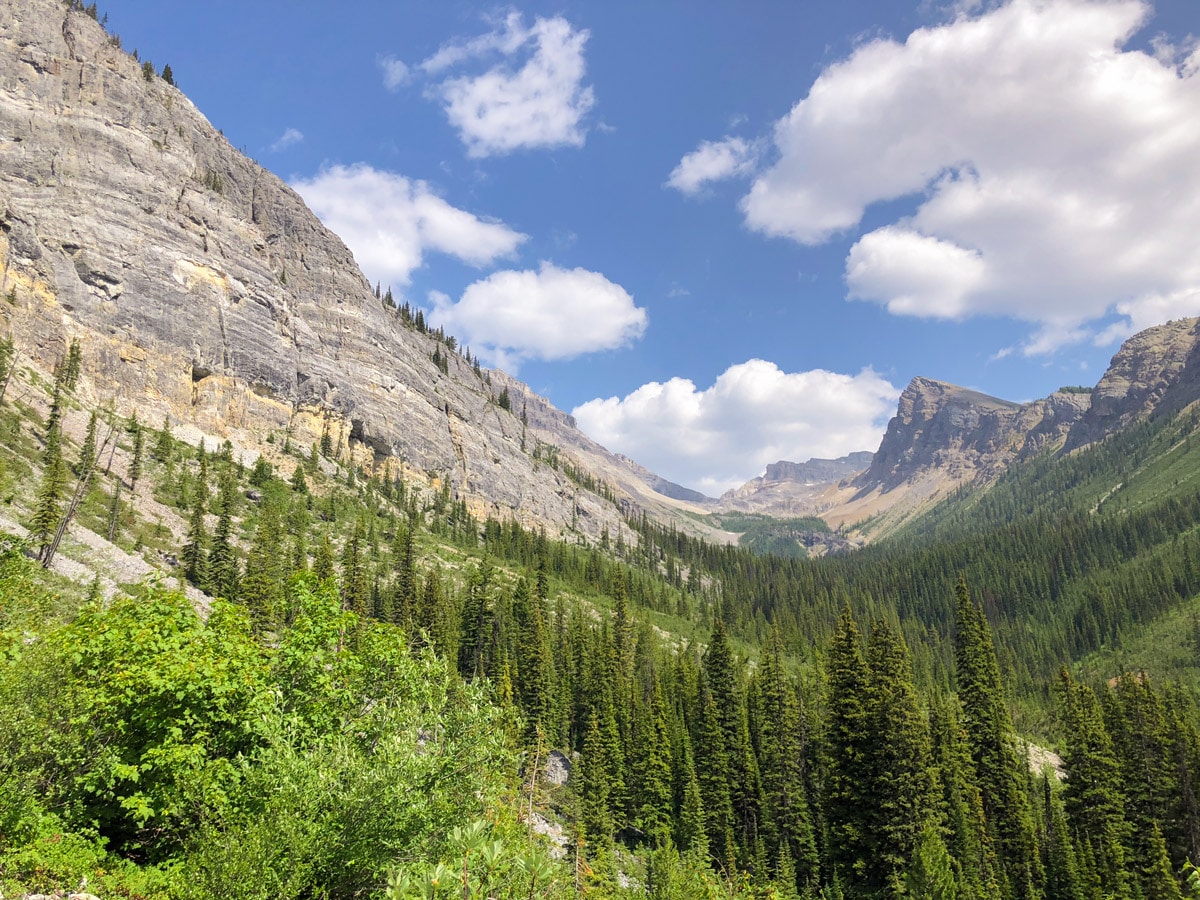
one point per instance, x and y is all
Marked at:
(729, 233)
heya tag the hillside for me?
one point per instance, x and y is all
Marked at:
(201, 288)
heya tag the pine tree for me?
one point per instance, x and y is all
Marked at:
(1062, 869)
(195, 552)
(356, 586)
(164, 444)
(87, 450)
(135, 462)
(930, 874)
(323, 570)
(595, 817)
(52, 491)
(898, 758)
(261, 588)
(741, 768)
(999, 770)
(691, 832)
(847, 800)
(967, 837)
(1092, 796)
(712, 775)
(1158, 881)
(654, 793)
(779, 730)
(223, 571)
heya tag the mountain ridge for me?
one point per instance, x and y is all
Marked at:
(201, 287)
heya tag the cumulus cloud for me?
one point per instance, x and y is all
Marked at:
(713, 161)
(390, 221)
(549, 314)
(533, 97)
(395, 73)
(1054, 171)
(288, 138)
(754, 414)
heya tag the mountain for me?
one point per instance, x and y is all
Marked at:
(200, 287)
(794, 489)
(944, 437)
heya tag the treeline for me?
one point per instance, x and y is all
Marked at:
(843, 778)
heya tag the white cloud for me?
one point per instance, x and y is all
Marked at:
(753, 415)
(288, 138)
(540, 104)
(713, 161)
(390, 221)
(395, 73)
(1054, 172)
(549, 314)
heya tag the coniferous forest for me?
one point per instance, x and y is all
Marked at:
(371, 700)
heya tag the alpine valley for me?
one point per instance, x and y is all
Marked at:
(298, 600)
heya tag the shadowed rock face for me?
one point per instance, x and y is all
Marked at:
(199, 285)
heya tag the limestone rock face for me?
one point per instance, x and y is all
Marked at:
(201, 287)
(964, 434)
(795, 489)
(1155, 372)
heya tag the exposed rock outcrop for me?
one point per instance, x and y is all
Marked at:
(200, 286)
(1155, 372)
(964, 434)
(795, 489)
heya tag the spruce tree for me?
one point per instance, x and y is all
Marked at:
(223, 571)
(967, 837)
(847, 798)
(999, 770)
(595, 817)
(780, 758)
(1092, 795)
(261, 588)
(52, 491)
(899, 770)
(195, 551)
(1062, 869)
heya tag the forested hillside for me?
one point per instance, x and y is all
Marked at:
(365, 708)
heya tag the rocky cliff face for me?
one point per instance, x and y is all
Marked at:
(944, 436)
(1156, 372)
(201, 287)
(795, 489)
(963, 434)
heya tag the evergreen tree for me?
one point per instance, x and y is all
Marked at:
(999, 770)
(968, 841)
(595, 818)
(654, 807)
(356, 585)
(1092, 796)
(930, 874)
(1158, 881)
(195, 551)
(323, 570)
(741, 770)
(135, 461)
(87, 450)
(223, 571)
(899, 770)
(847, 799)
(261, 588)
(52, 491)
(1062, 869)
(790, 831)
